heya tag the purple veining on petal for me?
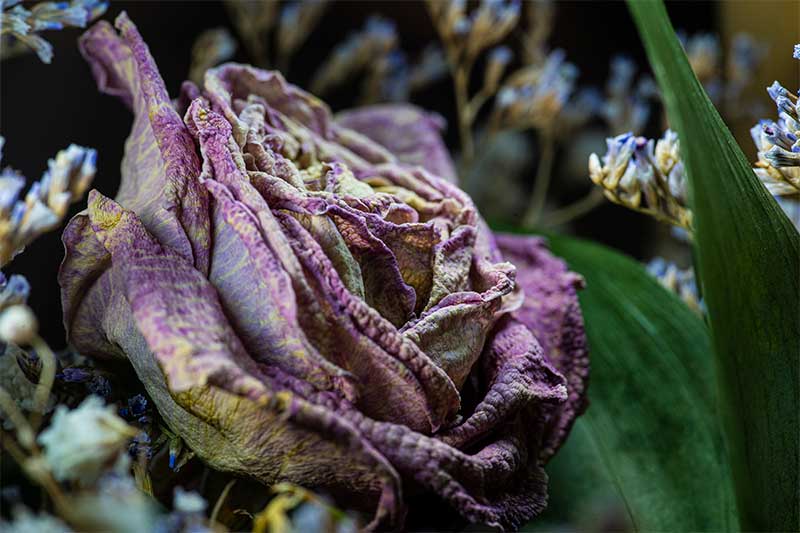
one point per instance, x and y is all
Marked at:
(163, 188)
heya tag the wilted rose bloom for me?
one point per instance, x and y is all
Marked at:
(305, 305)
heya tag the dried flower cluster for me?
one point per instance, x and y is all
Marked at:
(45, 204)
(645, 176)
(374, 53)
(725, 76)
(259, 24)
(627, 104)
(532, 96)
(778, 144)
(361, 50)
(20, 27)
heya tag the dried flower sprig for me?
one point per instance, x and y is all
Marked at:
(258, 22)
(539, 17)
(18, 325)
(627, 102)
(374, 52)
(297, 20)
(464, 37)
(725, 76)
(680, 281)
(645, 176)
(778, 143)
(534, 96)
(377, 39)
(745, 56)
(45, 205)
(254, 21)
(20, 27)
(386, 79)
(211, 48)
(429, 68)
(392, 78)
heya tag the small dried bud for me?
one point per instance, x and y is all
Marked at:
(499, 59)
(18, 325)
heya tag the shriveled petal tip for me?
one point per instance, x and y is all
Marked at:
(552, 312)
(108, 56)
(163, 189)
(412, 135)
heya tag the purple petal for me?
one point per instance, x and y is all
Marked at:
(163, 189)
(413, 136)
(552, 312)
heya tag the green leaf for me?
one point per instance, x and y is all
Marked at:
(651, 419)
(748, 257)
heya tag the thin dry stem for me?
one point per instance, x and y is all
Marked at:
(543, 174)
(46, 378)
(575, 210)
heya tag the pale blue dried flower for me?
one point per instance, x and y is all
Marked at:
(13, 291)
(188, 514)
(746, 54)
(725, 78)
(389, 76)
(627, 106)
(430, 67)
(778, 144)
(296, 22)
(490, 23)
(499, 58)
(45, 205)
(680, 281)
(20, 26)
(377, 39)
(645, 176)
(535, 96)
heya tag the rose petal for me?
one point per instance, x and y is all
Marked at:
(160, 166)
(409, 133)
(552, 312)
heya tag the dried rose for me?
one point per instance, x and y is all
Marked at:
(310, 303)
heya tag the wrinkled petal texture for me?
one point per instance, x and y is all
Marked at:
(313, 300)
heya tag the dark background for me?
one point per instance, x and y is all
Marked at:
(43, 108)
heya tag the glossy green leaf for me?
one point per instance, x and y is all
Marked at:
(748, 257)
(652, 418)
